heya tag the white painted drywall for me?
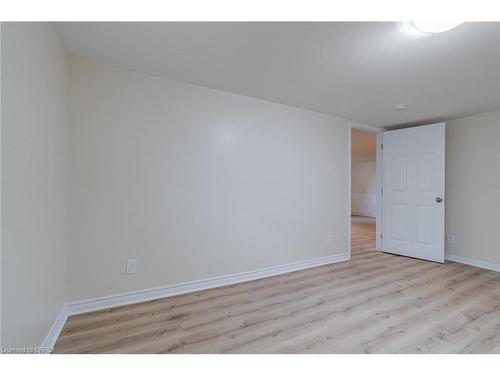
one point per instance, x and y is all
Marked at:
(473, 186)
(34, 181)
(364, 188)
(194, 182)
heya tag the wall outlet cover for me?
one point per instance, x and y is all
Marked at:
(329, 239)
(131, 267)
(451, 239)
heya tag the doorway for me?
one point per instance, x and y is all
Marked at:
(397, 190)
(365, 191)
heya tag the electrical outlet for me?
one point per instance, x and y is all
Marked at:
(451, 239)
(329, 239)
(131, 267)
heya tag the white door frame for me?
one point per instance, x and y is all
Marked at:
(372, 129)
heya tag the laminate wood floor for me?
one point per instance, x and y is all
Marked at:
(374, 303)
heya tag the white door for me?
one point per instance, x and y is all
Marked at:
(413, 192)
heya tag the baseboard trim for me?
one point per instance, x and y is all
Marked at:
(122, 299)
(473, 262)
(50, 340)
(129, 298)
(363, 213)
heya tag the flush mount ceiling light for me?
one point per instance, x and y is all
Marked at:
(400, 107)
(434, 27)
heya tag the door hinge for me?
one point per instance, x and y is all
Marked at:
(381, 236)
(382, 146)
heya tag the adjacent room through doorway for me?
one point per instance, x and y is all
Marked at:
(363, 190)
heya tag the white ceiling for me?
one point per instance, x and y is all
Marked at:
(356, 70)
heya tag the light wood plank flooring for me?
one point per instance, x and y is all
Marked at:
(374, 303)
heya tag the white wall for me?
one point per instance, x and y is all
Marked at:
(195, 182)
(473, 186)
(364, 188)
(34, 181)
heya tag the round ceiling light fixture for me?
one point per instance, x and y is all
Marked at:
(434, 27)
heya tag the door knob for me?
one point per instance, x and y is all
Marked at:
(439, 199)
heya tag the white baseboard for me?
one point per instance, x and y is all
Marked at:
(122, 299)
(50, 340)
(363, 213)
(473, 262)
(94, 304)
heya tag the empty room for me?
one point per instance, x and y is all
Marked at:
(250, 187)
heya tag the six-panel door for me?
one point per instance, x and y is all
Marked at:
(413, 192)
